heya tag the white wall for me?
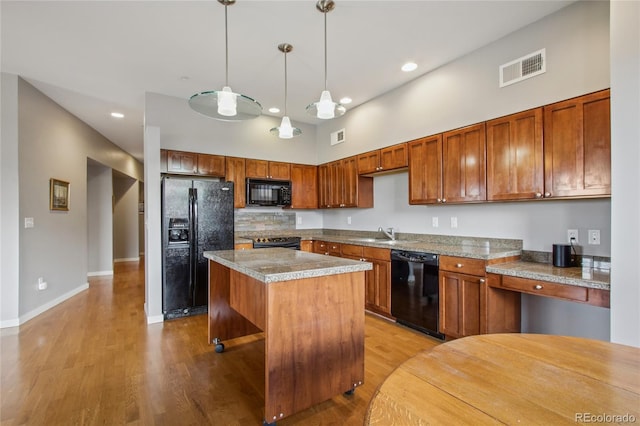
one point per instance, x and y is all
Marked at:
(9, 201)
(125, 218)
(99, 219)
(625, 153)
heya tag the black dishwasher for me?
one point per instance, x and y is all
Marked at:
(415, 291)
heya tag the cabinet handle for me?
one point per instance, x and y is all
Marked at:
(547, 194)
(482, 280)
(439, 200)
(538, 287)
(538, 195)
(444, 200)
(458, 265)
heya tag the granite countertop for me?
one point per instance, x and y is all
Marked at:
(576, 276)
(282, 264)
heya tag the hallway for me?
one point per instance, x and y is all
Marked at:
(93, 360)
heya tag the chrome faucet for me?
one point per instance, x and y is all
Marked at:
(390, 233)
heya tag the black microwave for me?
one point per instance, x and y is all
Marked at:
(263, 192)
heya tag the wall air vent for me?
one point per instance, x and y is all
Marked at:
(337, 137)
(522, 68)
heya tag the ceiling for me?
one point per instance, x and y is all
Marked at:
(95, 57)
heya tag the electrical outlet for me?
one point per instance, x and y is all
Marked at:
(572, 234)
(594, 236)
(434, 221)
(42, 284)
(299, 220)
(28, 222)
(454, 222)
(348, 220)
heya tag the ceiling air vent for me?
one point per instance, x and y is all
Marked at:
(522, 68)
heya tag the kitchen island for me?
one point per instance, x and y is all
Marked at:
(311, 310)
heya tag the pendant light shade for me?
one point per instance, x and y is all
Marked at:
(286, 130)
(224, 104)
(325, 108)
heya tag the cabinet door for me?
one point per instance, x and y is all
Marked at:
(577, 147)
(278, 170)
(235, 173)
(349, 182)
(515, 167)
(256, 168)
(182, 162)
(381, 275)
(464, 170)
(369, 162)
(211, 165)
(335, 187)
(304, 186)
(425, 170)
(394, 157)
(459, 304)
(324, 186)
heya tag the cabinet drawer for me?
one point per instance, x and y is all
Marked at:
(333, 249)
(376, 253)
(463, 265)
(352, 250)
(545, 288)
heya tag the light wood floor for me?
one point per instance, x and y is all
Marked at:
(93, 360)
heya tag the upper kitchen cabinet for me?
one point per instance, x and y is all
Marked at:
(515, 157)
(341, 186)
(182, 162)
(304, 186)
(235, 173)
(425, 170)
(464, 170)
(383, 160)
(577, 147)
(263, 169)
(211, 165)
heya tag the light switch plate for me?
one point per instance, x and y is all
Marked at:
(28, 222)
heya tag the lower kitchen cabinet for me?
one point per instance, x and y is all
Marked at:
(378, 280)
(306, 245)
(469, 306)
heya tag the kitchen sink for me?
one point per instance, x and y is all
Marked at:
(379, 240)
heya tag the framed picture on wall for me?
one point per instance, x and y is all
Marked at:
(58, 195)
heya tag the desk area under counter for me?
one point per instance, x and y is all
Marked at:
(585, 285)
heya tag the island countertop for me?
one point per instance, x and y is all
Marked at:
(282, 264)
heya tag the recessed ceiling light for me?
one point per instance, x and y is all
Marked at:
(274, 110)
(346, 100)
(117, 114)
(409, 66)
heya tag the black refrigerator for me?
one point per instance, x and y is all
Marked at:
(197, 216)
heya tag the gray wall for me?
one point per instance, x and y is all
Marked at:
(51, 143)
(99, 219)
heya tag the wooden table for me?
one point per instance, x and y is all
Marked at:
(311, 310)
(513, 379)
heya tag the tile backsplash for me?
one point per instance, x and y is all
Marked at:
(246, 221)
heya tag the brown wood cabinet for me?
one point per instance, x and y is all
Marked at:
(182, 162)
(468, 305)
(425, 170)
(263, 169)
(211, 165)
(327, 248)
(515, 169)
(243, 246)
(306, 245)
(341, 186)
(383, 160)
(464, 165)
(591, 296)
(577, 147)
(304, 186)
(378, 280)
(235, 173)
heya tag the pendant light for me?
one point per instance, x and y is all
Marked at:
(224, 104)
(325, 108)
(285, 131)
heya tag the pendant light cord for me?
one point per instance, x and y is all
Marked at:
(285, 83)
(226, 47)
(325, 51)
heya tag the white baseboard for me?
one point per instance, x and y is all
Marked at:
(127, 259)
(152, 319)
(41, 309)
(99, 273)
(10, 323)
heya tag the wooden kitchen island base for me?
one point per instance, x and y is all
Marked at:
(313, 327)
